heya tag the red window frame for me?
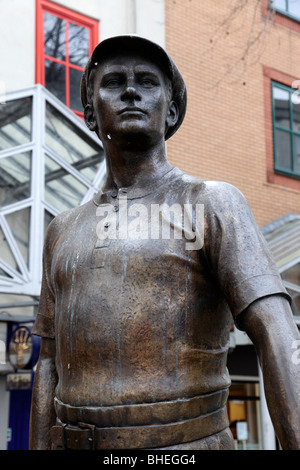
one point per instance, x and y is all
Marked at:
(67, 15)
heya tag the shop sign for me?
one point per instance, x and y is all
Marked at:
(20, 347)
(19, 381)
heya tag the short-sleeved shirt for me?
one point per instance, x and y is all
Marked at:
(140, 288)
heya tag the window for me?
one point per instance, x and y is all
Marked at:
(287, 13)
(289, 8)
(286, 130)
(65, 40)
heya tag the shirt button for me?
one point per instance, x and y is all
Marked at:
(114, 193)
(123, 190)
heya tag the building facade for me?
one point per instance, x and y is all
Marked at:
(241, 126)
(239, 62)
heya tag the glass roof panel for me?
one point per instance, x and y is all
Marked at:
(15, 178)
(19, 223)
(15, 123)
(6, 253)
(62, 190)
(72, 144)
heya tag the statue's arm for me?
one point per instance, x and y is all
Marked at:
(42, 408)
(269, 324)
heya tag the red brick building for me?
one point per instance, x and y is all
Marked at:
(240, 62)
(229, 59)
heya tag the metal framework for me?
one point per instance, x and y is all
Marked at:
(283, 238)
(59, 176)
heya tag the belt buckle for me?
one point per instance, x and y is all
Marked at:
(91, 439)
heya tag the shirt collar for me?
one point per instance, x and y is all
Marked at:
(134, 193)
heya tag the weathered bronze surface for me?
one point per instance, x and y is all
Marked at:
(141, 284)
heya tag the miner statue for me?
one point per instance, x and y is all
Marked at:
(142, 284)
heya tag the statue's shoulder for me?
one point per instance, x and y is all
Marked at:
(224, 200)
(222, 189)
(66, 219)
(211, 190)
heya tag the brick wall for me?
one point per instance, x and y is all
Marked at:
(227, 132)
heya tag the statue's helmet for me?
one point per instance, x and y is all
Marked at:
(148, 49)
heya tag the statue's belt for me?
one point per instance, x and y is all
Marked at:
(140, 426)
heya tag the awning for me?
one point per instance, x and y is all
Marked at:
(283, 238)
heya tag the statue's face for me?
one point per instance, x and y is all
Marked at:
(131, 99)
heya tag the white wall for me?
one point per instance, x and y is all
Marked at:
(17, 33)
(17, 43)
(143, 17)
(150, 20)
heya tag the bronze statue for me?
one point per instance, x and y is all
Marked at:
(140, 284)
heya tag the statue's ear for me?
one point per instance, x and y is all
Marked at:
(90, 118)
(172, 116)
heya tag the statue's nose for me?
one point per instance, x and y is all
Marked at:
(130, 92)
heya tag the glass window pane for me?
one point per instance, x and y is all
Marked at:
(280, 4)
(283, 150)
(296, 117)
(71, 144)
(62, 190)
(15, 178)
(294, 7)
(54, 36)
(78, 45)
(19, 223)
(15, 123)
(55, 79)
(281, 105)
(297, 154)
(75, 100)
